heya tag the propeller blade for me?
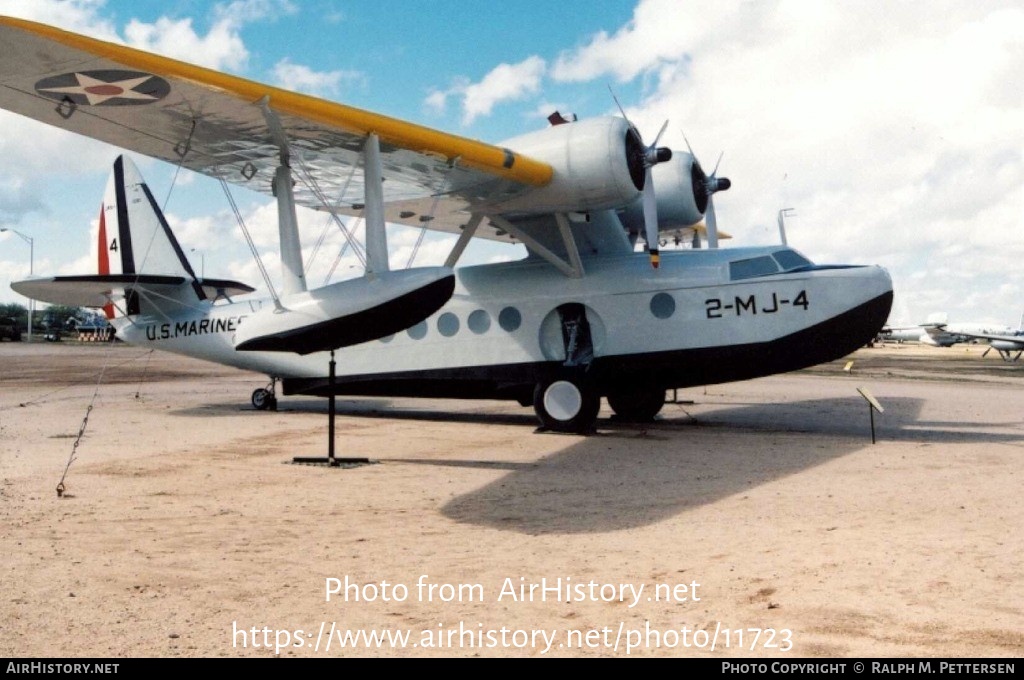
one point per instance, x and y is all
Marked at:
(712, 223)
(688, 147)
(715, 171)
(616, 100)
(650, 205)
(660, 133)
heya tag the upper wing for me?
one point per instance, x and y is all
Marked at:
(233, 129)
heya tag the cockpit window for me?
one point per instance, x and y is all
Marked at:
(790, 259)
(786, 260)
(755, 266)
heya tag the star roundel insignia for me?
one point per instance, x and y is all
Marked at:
(104, 88)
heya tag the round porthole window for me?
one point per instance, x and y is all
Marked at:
(419, 331)
(663, 305)
(479, 322)
(448, 324)
(510, 319)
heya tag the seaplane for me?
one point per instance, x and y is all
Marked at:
(588, 314)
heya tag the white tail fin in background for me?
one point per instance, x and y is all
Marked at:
(140, 267)
(135, 239)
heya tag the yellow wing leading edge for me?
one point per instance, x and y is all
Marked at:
(214, 123)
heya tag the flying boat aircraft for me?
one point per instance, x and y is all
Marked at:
(582, 317)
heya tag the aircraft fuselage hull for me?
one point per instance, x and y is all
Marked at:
(621, 325)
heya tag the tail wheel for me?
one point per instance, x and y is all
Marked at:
(638, 405)
(566, 404)
(264, 400)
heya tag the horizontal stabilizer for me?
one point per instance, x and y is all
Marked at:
(99, 290)
(348, 312)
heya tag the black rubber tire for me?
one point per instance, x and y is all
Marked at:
(638, 405)
(566, 404)
(263, 400)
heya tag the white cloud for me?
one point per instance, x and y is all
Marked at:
(80, 16)
(505, 82)
(222, 47)
(896, 133)
(660, 31)
(290, 75)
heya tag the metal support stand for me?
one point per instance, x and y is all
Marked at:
(871, 410)
(873, 406)
(331, 460)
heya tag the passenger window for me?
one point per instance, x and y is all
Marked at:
(663, 305)
(510, 319)
(419, 331)
(479, 322)
(448, 324)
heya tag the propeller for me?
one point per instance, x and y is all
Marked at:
(704, 187)
(641, 158)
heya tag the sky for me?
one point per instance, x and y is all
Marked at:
(893, 131)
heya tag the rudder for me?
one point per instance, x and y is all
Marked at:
(134, 238)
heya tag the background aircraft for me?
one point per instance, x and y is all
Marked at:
(938, 332)
(1009, 342)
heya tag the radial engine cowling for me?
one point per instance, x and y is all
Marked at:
(682, 199)
(596, 166)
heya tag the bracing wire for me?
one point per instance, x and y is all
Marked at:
(337, 261)
(331, 217)
(139, 268)
(313, 186)
(177, 169)
(252, 244)
(85, 423)
(145, 369)
(430, 215)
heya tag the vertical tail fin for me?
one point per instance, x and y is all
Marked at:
(134, 238)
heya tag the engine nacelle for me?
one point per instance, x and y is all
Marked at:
(595, 162)
(681, 203)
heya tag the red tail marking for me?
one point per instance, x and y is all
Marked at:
(103, 265)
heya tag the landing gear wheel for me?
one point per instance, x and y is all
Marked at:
(566, 404)
(638, 405)
(264, 400)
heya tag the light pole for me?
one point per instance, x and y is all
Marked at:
(31, 259)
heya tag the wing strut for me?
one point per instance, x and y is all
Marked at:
(376, 236)
(288, 231)
(536, 247)
(287, 221)
(570, 245)
(464, 238)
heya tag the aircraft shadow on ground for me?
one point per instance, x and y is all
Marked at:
(845, 416)
(684, 464)
(691, 456)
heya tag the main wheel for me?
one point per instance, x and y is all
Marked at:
(264, 400)
(566, 404)
(638, 405)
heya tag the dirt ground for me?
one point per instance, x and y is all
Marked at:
(753, 519)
